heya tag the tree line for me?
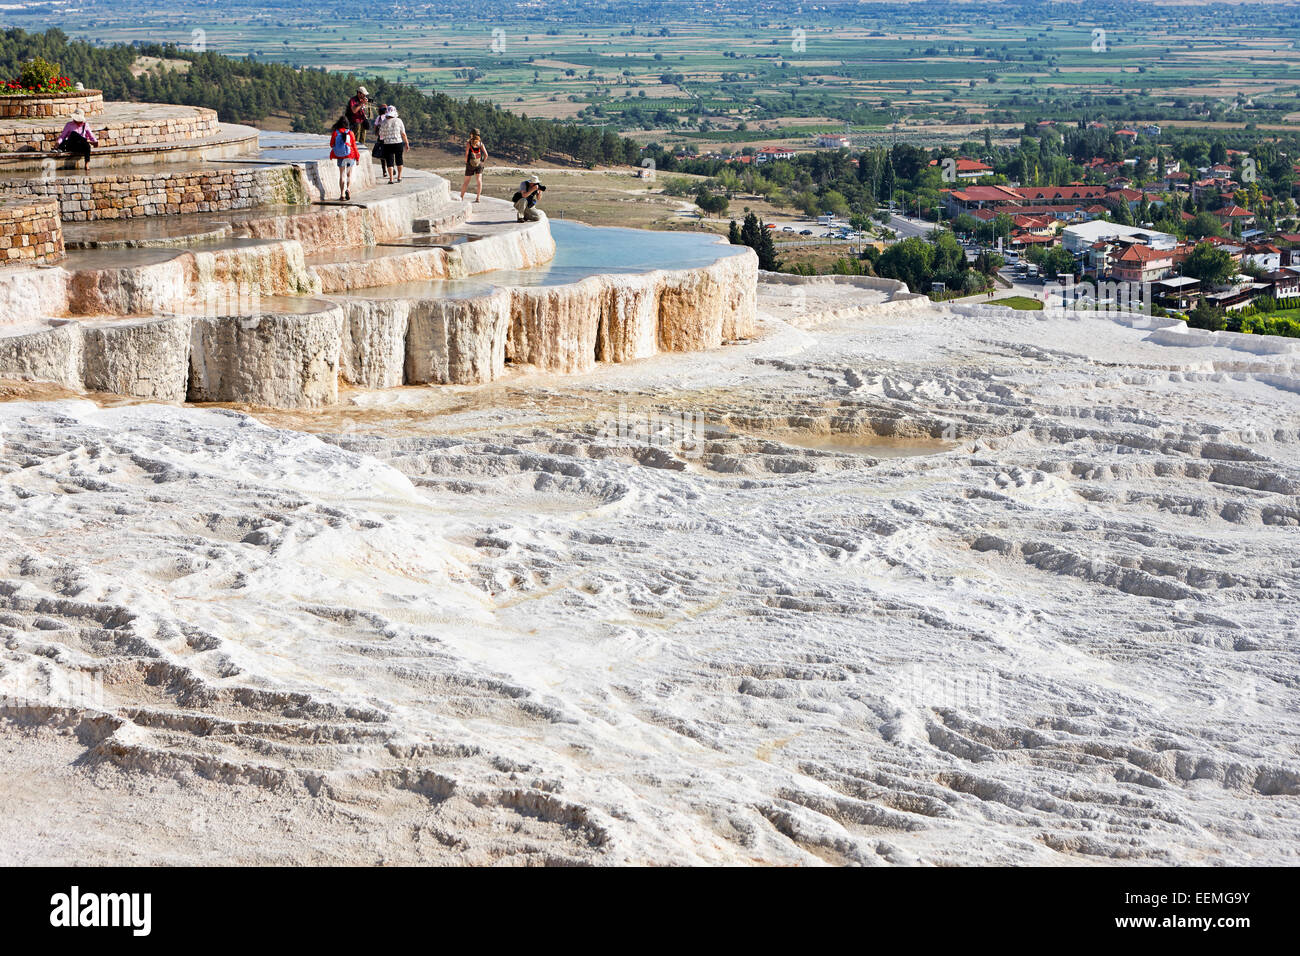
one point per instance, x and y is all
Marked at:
(247, 91)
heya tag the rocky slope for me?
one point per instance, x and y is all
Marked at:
(889, 584)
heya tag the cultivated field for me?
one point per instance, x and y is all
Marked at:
(741, 79)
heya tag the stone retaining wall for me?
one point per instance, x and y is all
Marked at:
(63, 104)
(144, 132)
(128, 194)
(30, 232)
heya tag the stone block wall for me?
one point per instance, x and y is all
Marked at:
(40, 138)
(34, 107)
(30, 232)
(128, 194)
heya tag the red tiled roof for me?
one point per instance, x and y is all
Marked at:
(965, 165)
(1143, 254)
(987, 194)
(1063, 192)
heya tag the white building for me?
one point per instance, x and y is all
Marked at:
(770, 154)
(833, 141)
(1079, 238)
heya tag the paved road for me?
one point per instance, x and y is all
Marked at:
(907, 227)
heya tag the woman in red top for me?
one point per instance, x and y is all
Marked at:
(343, 147)
(356, 113)
(475, 160)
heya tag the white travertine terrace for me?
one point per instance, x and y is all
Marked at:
(268, 305)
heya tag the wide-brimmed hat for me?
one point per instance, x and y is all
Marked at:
(391, 111)
(78, 116)
(534, 179)
(361, 90)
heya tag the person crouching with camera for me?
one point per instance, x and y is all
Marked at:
(529, 194)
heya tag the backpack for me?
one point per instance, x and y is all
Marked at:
(342, 150)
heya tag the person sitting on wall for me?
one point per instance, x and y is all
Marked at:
(77, 138)
(356, 116)
(530, 191)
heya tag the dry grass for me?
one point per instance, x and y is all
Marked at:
(155, 64)
(601, 197)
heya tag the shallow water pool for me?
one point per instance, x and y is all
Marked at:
(581, 251)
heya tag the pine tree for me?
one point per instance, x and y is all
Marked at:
(767, 258)
(759, 238)
(733, 234)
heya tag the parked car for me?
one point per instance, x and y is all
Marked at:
(805, 232)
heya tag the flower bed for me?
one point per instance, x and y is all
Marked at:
(52, 86)
(28, 105)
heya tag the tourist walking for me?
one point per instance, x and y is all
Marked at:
(356, 116)
(475, 159)
(77, 138)
(343, 147)
(377, 127)
(393, 142)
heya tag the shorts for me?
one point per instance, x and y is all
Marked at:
(473, 170)
(346, 163)
(392, 153)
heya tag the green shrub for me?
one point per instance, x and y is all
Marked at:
(1267, 325)
(38, 73)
